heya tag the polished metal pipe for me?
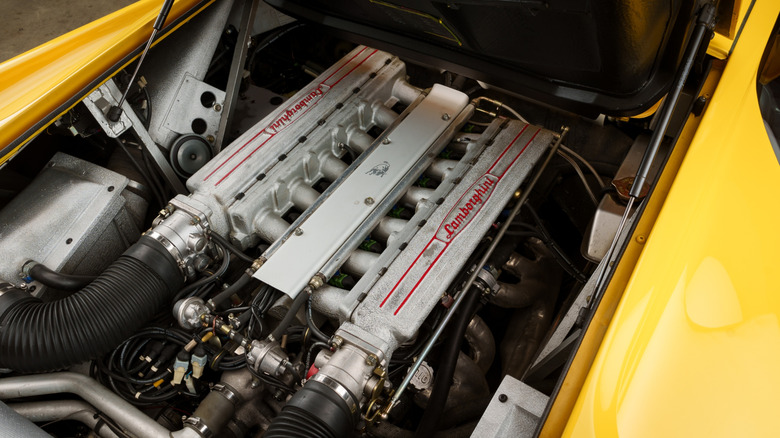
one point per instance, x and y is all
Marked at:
(114, 406)
(57, 410)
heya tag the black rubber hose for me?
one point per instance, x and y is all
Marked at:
(39, 337)
(237, 285)
(300, 299)
(315, 331)
(314, 411)
(238, 253)
(57, 280)
(447, 362)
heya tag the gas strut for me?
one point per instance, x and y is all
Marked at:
(116, 111)
(705, 21)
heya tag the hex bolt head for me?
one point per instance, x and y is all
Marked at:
(386, 140)
(217, 107)
(445, 116)
(371, 360)
(337, 342)
(298, 231)
(369, 201)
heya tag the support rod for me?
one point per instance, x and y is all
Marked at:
(459, 298)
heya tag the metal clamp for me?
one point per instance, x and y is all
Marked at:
(169, 246)
(227, 392)
(339, 389)
(199, 426)
(487, 280)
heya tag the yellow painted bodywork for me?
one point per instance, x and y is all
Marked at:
(36, 83)
(687, 341)
(693, 348)
(723, 42)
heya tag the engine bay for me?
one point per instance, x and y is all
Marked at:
(381, 248)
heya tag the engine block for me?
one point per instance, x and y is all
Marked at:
(361, 177)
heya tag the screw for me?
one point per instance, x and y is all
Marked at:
(502, 398)
(371, 360)
(298, 231)
(640, 239)
(386, 140)
(210, 139)
(337, 342)
(217, 107)
(445, 116)
(369, 200)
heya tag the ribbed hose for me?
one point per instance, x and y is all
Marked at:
(38, 337)
(315, 411)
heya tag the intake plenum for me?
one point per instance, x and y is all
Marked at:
(38, 337)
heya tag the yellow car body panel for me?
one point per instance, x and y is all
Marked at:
(694, 344)
(38, 82)
(695, 338)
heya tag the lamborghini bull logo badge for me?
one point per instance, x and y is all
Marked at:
(380, 169)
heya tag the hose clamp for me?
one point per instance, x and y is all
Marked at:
(488, 283)
(168, 245)
(199, 426)
(227, 392)
(5, 288)
(339, 389)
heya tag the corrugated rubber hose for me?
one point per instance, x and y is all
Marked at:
(38, 337)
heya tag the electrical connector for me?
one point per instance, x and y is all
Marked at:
(199, 361)
(180, 367)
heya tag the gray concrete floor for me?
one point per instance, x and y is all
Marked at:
(30, 23)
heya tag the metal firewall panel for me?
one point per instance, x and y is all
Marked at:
(290, 267)
(72, 218)
(404, 296)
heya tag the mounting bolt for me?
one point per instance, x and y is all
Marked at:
(298, 231)
(502, 398)
(445, 116)
(386, 140)
(369, 200)
(337, 342)
(210, 138)
(371, 360)
(217, 107)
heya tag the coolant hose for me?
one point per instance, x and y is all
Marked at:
(447, 363)
(38, 337)
(58, 280)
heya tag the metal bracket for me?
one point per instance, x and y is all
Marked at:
(236, 70)
(189, 107)
(99, 102)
